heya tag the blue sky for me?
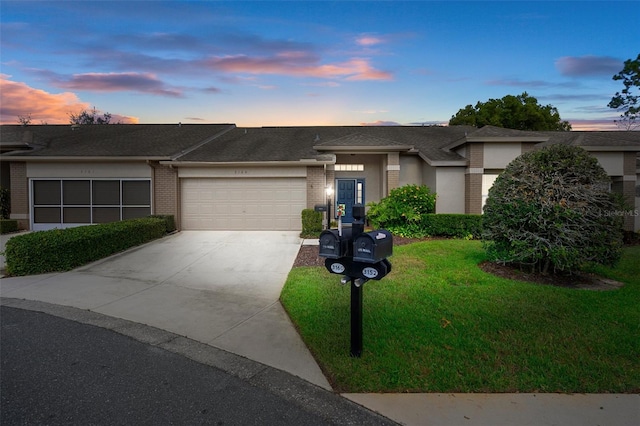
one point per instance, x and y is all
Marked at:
(310, 63)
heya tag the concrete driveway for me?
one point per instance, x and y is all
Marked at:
(216, 287)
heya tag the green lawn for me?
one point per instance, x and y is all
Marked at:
(438, 323)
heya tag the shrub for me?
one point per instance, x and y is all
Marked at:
(65, 249)
(5, 203)
(8, 225)
(552, 209)
(453, 225)
(169, 221)
(311, 223)
(403, 210)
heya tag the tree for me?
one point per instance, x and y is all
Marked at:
(552, 210)
(626, 101)
(24, 120)
(89, 117)
(520, 112)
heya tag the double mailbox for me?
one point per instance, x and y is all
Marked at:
(355, 253)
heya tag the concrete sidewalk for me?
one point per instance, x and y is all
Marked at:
(222, 289)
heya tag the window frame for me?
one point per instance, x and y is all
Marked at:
(91, 206)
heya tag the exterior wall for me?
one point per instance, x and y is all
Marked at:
(429, 177)
(612, 162)
(89, 170)
(393, 171)
(316, 185)
(19, 194)
(450, 190)
(410, 170)
(528, 147)
(373, 174)
(498, 155)
(165, 192)
(629, 182)
(473, 179)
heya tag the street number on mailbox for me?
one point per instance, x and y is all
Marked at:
(337, 268)
(370, 272)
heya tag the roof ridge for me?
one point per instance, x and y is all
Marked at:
(202, 143)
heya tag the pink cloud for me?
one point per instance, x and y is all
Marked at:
(18, 99)
(369, 40)
(297, 64)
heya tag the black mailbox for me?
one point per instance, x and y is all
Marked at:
(334, 246)
(372, 247)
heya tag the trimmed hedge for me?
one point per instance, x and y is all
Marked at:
(170, 223)
(64, 249)
(453, 225)
(311, 223)
(8, 225)
(440, 225)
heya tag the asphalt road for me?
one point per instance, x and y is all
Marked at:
(58, 371)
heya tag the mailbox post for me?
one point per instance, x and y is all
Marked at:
(359, 257)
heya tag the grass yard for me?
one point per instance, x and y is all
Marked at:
(438, 323)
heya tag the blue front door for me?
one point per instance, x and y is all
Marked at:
(346, 194)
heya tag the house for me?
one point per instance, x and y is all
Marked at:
(220, 176)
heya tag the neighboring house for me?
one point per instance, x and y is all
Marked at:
(220, 176)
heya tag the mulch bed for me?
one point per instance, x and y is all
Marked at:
(308, 256)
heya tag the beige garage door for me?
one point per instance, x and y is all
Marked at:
(243, 203)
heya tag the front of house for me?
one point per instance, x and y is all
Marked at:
(222, 177)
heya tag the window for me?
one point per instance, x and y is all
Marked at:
(359, 192)
(85, 201)
(349, 167)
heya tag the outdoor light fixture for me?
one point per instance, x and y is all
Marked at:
(329, 191)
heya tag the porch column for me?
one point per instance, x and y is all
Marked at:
(629, 189)
(19, 194)
(473, 179)
(393, 171)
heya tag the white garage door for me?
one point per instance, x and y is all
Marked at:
(243, 203)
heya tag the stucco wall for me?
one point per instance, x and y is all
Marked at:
(498, 155)
(612, 162)
(89, 170)
(373, 174)
(429, 177)
(450, 189)
(411, 170)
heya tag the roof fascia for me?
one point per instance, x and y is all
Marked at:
(361, 149)
(76, 159)
(494, 139)
(303, 162)
(613, 148)
(444, 163)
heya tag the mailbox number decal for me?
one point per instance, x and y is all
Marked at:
(370, 272)
(337, 268)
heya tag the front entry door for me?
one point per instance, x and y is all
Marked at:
(349, 192)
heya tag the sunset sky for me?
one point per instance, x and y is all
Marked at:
(310, 63)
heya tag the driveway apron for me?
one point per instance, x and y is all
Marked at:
(216, 287)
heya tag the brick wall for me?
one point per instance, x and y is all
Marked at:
(473, 179)
(393, 171)
(165, 191)
(19, 194)
(629, 188)
(315, 186)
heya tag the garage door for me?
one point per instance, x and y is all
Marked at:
(243, 203)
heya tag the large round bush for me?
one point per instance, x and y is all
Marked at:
(552, 209)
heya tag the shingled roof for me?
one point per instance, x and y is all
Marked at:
(224, 143)
(113, 140)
